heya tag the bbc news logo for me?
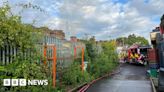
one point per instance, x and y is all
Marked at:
(23, 82)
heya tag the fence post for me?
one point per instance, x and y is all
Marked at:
(54, 66)
(45, 54)
(74, 52)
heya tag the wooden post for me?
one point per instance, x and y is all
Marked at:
(82, 59)
(74, 52)
(54, 66)
(45, 54)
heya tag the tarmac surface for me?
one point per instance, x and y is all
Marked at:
(132, 78)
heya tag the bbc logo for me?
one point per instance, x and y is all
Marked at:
(14, 82)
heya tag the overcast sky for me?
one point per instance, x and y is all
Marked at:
(101, 18)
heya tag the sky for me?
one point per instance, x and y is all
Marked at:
(104, 19)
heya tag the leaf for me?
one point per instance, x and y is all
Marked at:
(2, 68)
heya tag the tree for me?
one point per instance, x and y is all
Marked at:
(131, 39)
(14, 32)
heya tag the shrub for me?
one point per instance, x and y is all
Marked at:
(26, 70)
(74, 75)
(104, 62)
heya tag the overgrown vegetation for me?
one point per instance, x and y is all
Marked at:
(101, 57)
(102, 60)
(74, 75)
(24, 37)
(25, 69)
(14, 32)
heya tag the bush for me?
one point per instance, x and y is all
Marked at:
(102, 66)
(74, 75)
(104, 62)
(26, 70)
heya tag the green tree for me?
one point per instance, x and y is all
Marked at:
(104, 62)
(131, 39)
(24, 37)
(14, 32)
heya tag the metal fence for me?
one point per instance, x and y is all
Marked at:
(7, 54)
(63, 55)
(65, 51)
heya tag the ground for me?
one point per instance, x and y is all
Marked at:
(131, 78)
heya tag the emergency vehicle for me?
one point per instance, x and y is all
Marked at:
(138, 54)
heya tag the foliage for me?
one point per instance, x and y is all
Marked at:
(102, 66)
(91, 50)
(26, 70)
(104, 62)
(14, 32)
(24, 37)
(73, 75)
(109, 49)
(131, 39)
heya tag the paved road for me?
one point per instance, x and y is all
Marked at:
(132, 78)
